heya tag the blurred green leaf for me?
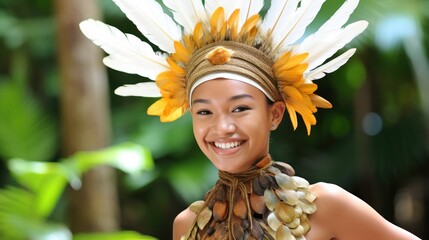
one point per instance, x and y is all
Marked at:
(128, 235)
(46, 180)
(128, 157)
(16, 212)
(26, 130)
(49, 231)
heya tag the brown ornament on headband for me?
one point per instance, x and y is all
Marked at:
(219, 55)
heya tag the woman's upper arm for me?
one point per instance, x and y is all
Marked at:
(182, 223)
(349, 217)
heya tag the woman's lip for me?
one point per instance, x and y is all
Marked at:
(227, 145)
(226, 151)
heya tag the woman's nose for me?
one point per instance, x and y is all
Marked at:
(224, 124)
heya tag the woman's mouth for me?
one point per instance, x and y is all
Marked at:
(227, 145)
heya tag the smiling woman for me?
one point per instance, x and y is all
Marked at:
(238, 75)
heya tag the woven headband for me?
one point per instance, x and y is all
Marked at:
(239, 60)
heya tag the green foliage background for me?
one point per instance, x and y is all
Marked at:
(386, 72)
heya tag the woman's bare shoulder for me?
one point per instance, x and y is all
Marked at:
(345, 216)
(329, 190)
(182, 223)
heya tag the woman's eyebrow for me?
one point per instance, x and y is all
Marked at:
(200, 100)
(233, 98)
(241, 96)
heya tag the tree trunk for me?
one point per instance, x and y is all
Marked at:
(85, 117)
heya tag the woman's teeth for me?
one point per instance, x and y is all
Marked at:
(227, 145)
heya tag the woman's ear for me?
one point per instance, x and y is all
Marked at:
(277, 111)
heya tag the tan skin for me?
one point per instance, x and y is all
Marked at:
(226, 110)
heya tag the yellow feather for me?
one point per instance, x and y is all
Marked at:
(169, 83)
(292, 92)
(289, 77)
(307, 101)
(303, 110)
(175, 108)
(297, 59)
(176, 68)
(308, 88)
(320, 102)
(199, 35)
(286, 61)
(300, 68)
(216, 22)
(233, 24)
(189, 43)
(248, 26)
(172, 116)
(292, 115)
(157, 108)
(282, 60)
(181, 54)
(308, 126)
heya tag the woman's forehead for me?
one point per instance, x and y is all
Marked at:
(223, 87)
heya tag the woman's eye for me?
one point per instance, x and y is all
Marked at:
(203, 112)
(241, 109)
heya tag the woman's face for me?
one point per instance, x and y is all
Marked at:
(232, 123)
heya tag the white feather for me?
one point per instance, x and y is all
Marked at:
(330, 66)
(334, 23)
(320, 49)
(279, 15)
(249, 8)
(127, 53)
(340, 17)
(145, 89)
(152, 22)
(187, 13)
(296, 25)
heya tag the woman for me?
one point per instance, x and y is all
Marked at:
(237, 74)
(228, 111)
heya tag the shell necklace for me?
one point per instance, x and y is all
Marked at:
(265, 202)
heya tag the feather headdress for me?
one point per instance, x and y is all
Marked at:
(294, 62)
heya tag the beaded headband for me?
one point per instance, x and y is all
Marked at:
(203, 40)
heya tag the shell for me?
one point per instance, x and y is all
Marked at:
(256, 187)
(284, 233)
(285, 168)
(204, 217)
(301, 182)
(298, 231)
(295, 223)
(240, 208)
(219, 211)
(273, 221)
(288, 196)
(196, 206)
(257, 204)
(271, 200)
(285, 213)
(264, 181)
(285, 182)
